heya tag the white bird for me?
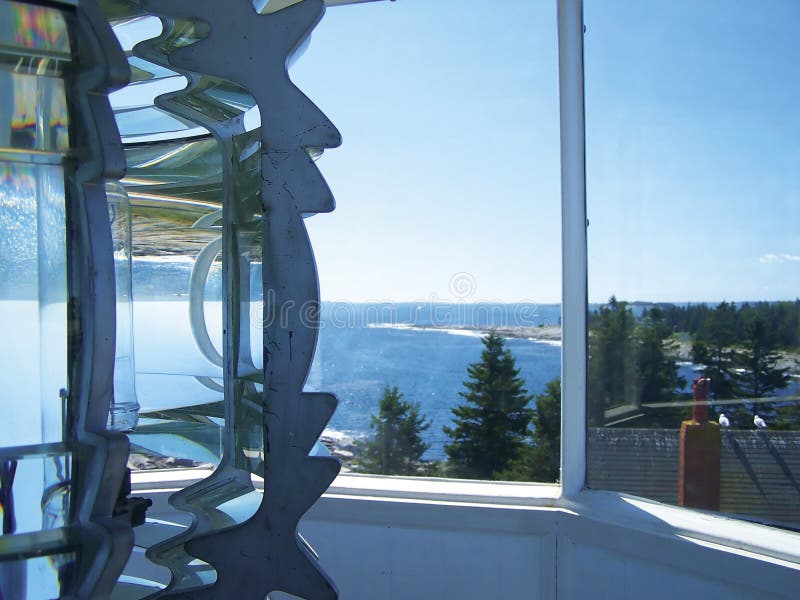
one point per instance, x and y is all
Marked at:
(723, 420)
(759, 422)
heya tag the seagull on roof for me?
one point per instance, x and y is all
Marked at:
(759, 422)
(724, 421)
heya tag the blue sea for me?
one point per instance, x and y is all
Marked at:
(362, 349)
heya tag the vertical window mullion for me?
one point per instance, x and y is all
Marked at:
(574, 257)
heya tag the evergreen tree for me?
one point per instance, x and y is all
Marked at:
(714, 348)
(491, 426)
(759, 374)
(541, 461)
(657, 371)
(613, 378)
(396, 448)
(632, 363)
(656, 352)
(782, 319)
(738, 349)
(547, 432)
(787, 418)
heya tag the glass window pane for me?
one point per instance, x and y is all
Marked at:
(694, 253)
(447, 226)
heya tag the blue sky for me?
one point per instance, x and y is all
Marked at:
(449, 114)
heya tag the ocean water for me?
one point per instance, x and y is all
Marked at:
(428, 366)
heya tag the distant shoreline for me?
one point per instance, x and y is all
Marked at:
(543, 333)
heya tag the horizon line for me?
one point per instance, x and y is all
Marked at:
(462, 302)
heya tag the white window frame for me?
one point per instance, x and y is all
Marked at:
(574, 299)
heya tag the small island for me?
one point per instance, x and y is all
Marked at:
(542, 333)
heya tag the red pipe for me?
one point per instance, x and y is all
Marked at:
(700, 405)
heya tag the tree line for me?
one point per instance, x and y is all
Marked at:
(633, 381)
(781, 319)
(634, 376)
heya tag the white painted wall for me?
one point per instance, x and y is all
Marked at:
(602, 545)
(377, 549)
(392, 549)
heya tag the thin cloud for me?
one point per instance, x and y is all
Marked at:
(768, 259)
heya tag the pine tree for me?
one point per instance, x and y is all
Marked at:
(633, 363)
(541, 461)
(738, 349)
(396, 448)
(491, 426)
(759, 374)
(655, 357)
(547, 432)
(657, 370)
(714, 348)
(613, 378)
(759, 359)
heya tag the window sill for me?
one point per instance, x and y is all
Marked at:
(433, 489)
(724, 533)
(381, 486)
(700, 527)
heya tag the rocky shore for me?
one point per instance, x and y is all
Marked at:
(341, 446)
(544, 333)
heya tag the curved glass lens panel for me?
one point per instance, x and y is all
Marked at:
(173, 188)
(37, 31)
(34, 112)
(35, 461)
